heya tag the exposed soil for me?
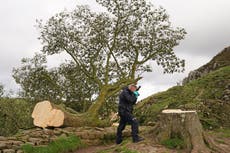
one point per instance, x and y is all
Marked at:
(94, 149)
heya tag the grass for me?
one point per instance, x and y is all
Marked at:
(61, 145)
(224, 132)
(173, 143)
(203, 95)
(209, 123)
(125, 150)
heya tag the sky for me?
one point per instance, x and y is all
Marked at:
(207, 23)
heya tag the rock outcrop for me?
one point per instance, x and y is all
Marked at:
(226, 94)
(220, 60)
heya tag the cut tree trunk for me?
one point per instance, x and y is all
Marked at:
(184, 125)
(46, 114)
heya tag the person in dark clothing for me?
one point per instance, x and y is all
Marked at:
(127, 98)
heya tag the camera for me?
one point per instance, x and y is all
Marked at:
(138, 88)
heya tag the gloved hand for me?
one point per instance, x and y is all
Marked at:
(136, 93)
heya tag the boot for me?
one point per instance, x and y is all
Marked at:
(118, 140)
(138, 139)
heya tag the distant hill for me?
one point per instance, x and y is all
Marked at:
(208, 93)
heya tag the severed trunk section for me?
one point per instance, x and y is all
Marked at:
(46, 114)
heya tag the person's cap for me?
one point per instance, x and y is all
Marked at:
(134, 85)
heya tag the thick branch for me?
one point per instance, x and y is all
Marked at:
(151, 55)
(122, 83)
(135, 64)
(83, 68)
(94, 67)
(115, 89)
(148, 58)
(107, 69)
(116, 31)
(118, 65)
(95, 107)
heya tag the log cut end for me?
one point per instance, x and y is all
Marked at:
(45, 115)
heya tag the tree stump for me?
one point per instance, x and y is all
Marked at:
(184, 125)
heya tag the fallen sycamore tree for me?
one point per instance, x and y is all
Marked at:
(46, 114)
(112, 48)
(175, 123)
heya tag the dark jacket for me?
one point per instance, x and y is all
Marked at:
(126, 101)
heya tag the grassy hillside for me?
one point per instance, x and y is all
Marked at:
(205, 94)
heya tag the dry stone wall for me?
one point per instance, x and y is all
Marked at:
(38, 136)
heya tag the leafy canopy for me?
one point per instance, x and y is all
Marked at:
(118, 44)
(60, 84)
(109, 50)
(1, 90)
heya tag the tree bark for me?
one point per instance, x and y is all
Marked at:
(95, 107)
(184, 125)
(46, 114)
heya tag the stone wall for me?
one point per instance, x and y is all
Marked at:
(38, 136)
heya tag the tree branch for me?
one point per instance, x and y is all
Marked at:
(114, 42)
(113, 89)
(107, 69)
(135, 63)
(83, 68)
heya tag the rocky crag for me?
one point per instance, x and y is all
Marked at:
(220, 60)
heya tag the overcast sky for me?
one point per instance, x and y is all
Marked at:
(207, 23)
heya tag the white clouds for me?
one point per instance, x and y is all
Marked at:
(207, 23)
(18, 36)
(157, 81)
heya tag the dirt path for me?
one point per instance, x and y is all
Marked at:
(149, 146)
(142, 147)
(95, 149)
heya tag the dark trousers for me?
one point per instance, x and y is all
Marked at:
(124, 119)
